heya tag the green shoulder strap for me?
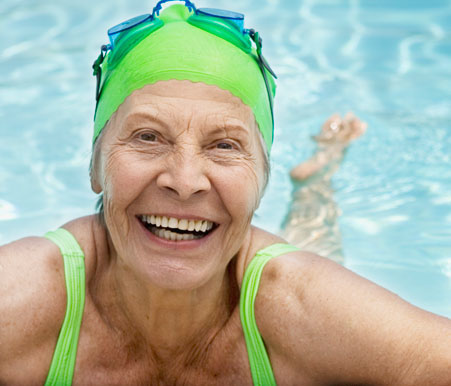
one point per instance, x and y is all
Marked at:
(262, 374)
(63, 362)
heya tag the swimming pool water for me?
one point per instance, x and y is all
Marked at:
(389, 62)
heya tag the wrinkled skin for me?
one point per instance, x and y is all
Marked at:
(186, 158)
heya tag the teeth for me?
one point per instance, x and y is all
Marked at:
(164, 221)
(183, 225)
(174, 223)
(172, 236)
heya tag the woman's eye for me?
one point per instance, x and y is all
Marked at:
(224, 145)
(149, 137)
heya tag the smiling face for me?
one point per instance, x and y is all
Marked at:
(181, 166)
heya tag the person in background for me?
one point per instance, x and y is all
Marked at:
(312, 220)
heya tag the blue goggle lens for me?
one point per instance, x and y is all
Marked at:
(113, 32)
(234, 17)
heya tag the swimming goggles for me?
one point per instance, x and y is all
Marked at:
(227, 25)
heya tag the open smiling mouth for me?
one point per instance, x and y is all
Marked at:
(174, 229)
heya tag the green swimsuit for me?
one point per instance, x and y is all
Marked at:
(63, 362)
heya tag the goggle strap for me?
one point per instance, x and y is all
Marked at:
(268, 90)
(263, 64)
(255, 36)
(96, 66)
(266, 65)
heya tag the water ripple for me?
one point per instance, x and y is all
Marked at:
(7, 210)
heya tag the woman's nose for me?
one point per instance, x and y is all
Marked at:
(184, 177)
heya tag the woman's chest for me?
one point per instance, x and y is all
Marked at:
(105, 358)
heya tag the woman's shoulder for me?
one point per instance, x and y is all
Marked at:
(33, 293)
(292, 288)
(256, 240)
(31, 275)
(91, 236)
(32, 304)
(294, 284)
(284, 295)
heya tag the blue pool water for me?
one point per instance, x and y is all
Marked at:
(389, 62)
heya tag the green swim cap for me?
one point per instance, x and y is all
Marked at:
(182, 51)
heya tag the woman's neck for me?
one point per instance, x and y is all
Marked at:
(170, 322)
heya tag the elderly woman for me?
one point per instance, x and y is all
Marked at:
(161, 287)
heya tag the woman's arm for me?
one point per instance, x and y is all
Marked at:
(330, 324)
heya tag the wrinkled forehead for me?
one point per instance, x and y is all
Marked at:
(196, 110)
(184, 101)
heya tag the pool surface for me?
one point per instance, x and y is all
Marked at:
(388, 62)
